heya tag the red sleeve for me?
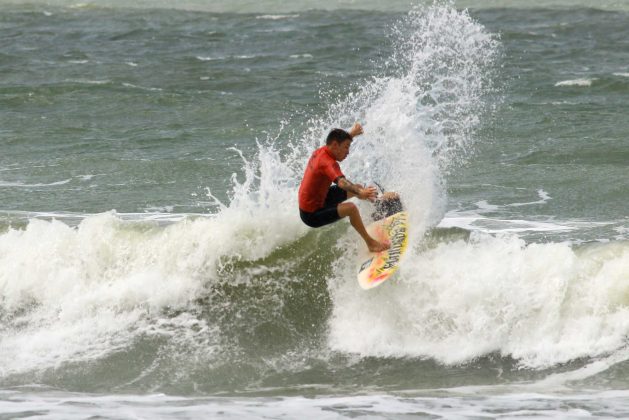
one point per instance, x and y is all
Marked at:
(332, 170)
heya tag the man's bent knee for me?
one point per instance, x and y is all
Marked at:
(346, 209)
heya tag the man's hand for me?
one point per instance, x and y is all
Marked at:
(357, 190)
(356, 130)
(368, 193)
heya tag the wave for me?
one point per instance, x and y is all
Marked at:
(250, 288)
(219, 291)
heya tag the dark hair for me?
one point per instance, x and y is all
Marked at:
(337, 135)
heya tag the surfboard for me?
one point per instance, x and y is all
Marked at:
(375, 268)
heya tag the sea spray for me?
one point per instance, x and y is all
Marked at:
(422, 109)
(419, 112)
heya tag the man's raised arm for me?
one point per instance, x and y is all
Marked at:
(356, 130)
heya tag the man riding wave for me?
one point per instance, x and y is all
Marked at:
(321, 203)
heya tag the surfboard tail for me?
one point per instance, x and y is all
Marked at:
(375, 268)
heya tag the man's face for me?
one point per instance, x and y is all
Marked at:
(340, 150)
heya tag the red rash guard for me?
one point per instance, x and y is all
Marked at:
(321, 171)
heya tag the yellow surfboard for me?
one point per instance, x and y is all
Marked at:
(375, 267)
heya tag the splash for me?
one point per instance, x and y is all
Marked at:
(419, 117)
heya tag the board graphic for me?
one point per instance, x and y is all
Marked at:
(375, 268)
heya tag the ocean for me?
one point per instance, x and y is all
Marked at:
(152, 259)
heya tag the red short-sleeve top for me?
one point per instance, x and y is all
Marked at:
(321, 171)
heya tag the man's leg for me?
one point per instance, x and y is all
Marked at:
(350, 209)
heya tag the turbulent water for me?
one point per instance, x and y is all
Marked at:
(153, 263)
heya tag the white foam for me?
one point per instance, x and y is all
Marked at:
(25, 185)
(151, 89)
(159, 209)
(541, 304)
(239, 57)
(576, 82)
(277, 17)
(431, 403)
(89, 82)
(543, 198)
(82, 293)
(485, 206)
(621, 74)
(476, 222)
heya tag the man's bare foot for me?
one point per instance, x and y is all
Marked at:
(376, 246)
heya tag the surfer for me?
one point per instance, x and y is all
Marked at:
(321, 203)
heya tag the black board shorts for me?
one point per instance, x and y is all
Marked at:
(328, 213)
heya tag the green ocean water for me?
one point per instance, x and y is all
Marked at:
(152, 262)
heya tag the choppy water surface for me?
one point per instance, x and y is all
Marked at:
(153, 264)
